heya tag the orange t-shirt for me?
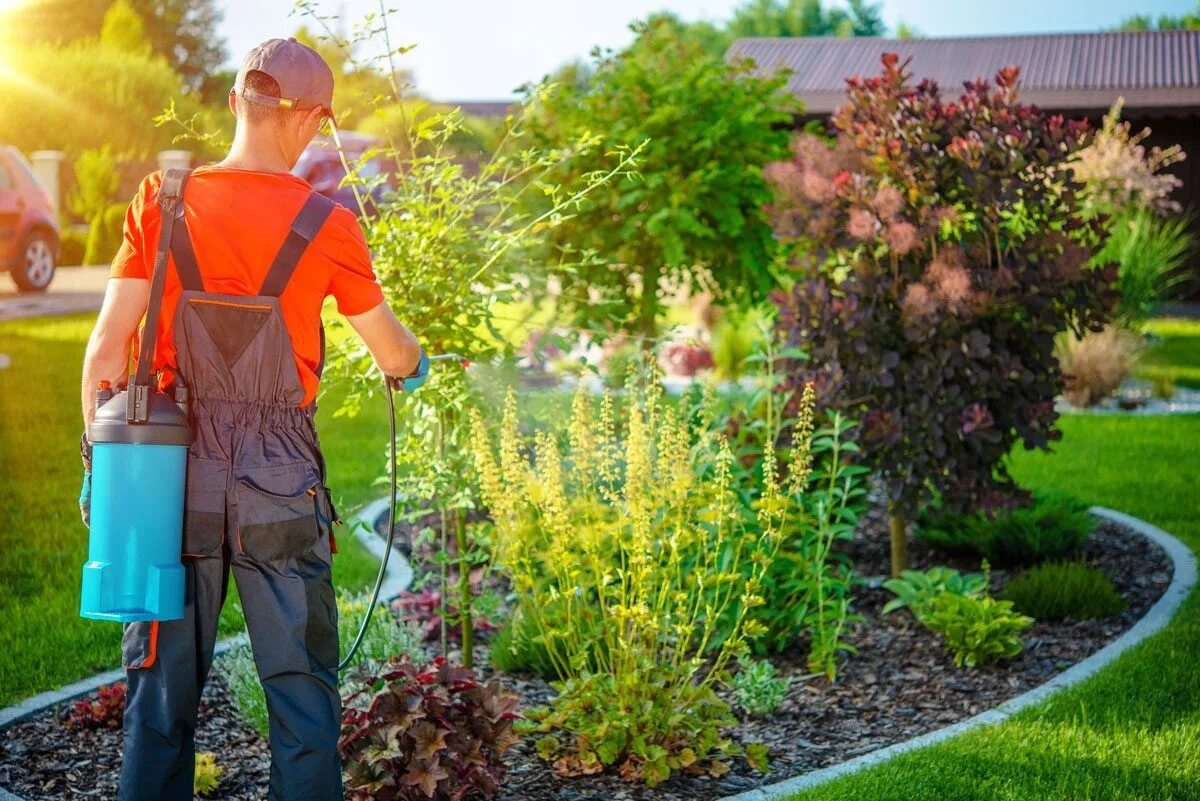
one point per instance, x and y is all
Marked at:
(237, 220)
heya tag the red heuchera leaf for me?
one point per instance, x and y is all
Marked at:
(105, 711)
(432, 732)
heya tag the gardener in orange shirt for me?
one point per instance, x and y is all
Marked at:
(254, 252)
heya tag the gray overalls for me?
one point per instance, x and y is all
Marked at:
(256, 502)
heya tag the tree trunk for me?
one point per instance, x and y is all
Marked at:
(647, 322)
(899, 538)
(464, 591)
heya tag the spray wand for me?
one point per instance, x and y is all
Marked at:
(390, 388)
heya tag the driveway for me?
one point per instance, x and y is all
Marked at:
(74, 289)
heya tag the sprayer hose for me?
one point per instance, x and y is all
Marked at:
(391, 535)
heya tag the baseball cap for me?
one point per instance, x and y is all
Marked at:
(305, 80)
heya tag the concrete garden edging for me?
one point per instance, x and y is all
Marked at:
(397, 579)
(1182, 582)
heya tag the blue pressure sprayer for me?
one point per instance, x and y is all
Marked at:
(139, 438)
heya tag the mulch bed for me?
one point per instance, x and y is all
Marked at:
(902, 683)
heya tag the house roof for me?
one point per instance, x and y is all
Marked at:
(1078, 72)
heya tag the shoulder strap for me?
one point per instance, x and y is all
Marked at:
(185, 256)
(304, 229)
(170, 195)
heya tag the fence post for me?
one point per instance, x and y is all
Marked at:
(174, 159)
(46, 166)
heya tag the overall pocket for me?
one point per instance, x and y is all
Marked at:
(204, 506)
(139, 645)
(277, 511)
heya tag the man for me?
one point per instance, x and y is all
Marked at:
(254, 253)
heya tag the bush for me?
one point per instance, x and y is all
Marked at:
(737, 336)
(1120, 174)
(104, 711)
(917, 590)
(1096, 365)
(412, 734)
(1151, 253)
(207, 776)
(1053, 527)
(1064, 590)
(939, 248)
(977, 630)
(757, 688)
(629, 554)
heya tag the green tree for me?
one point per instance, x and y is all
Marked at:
(1142, 22)
(806, 18)
(695, 210)
(184, 32)
(124, 29)
(94, 201)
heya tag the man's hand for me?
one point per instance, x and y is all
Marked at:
(411, 382)
(85, 492)
(107, 357)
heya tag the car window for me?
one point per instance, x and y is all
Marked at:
(19, 166)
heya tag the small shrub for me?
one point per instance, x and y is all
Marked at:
(105, 711)
(1053, 527)
(977, 630)
(739, 335)
(237, 668)
(516, 648)
(1064, 590)
(207, 777)
(1162, 387)
(685, 359)
(413, 734)
(917, 590)
(757, 687)
(1095, 365)
(1151, 253)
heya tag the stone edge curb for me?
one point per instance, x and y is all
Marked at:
(362, 524)
(1182, 582)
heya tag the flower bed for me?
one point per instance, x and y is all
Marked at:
(901, 683)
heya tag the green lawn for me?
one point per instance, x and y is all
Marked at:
(1131, 732)
(1178, 356)
(43, 641)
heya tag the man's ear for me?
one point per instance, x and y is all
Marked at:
(233, 102)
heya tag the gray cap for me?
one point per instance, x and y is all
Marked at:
(304, 79)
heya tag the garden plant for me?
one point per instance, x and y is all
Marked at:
(939, 247)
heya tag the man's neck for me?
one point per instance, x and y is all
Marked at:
(261, 156)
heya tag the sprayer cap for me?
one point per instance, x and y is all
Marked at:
(168, 424)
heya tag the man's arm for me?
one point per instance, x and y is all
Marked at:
(107, 355)
(394, 348)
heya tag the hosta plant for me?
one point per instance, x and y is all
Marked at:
(917, 590)
(626, 550)
(977, 630)
(939, 246)
(414, 733)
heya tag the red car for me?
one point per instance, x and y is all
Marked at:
(29, 241)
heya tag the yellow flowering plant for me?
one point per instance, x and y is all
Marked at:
(636, 566)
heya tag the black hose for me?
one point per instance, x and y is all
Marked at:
(391, 535)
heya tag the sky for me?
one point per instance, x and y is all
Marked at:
(484, 49)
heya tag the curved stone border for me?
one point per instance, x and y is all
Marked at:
(1182, 582)
(399, 576)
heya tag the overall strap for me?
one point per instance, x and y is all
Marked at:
(185, 255)
(170, 197)
(304, 229)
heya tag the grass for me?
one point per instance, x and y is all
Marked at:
(1178, 356)
(1131, 732)
(43, 641)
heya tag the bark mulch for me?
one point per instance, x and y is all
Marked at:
(900, 684)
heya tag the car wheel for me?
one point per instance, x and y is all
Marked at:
(34, 267)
